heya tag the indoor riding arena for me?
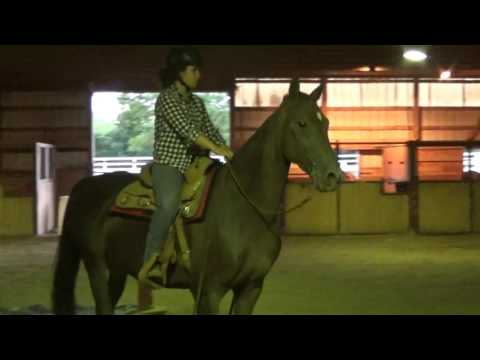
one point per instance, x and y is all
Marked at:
(399, 235)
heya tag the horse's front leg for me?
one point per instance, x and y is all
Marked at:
(245, 298)
(209, 301)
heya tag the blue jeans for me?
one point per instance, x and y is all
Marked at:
(167, 184)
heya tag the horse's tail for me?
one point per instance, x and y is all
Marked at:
(65, 275)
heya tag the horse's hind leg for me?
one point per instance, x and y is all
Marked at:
(245, 297)
(116, 285)
(97, 273)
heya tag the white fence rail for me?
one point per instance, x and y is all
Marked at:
(104, 165)
(471, 161)
(348, 163)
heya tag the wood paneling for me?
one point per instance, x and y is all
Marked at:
(58, 118)
(445, 163)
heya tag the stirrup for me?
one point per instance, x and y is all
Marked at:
(153, 285)
(150, 269)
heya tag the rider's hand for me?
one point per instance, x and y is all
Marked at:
(224, 150)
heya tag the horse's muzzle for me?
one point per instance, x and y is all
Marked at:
(328, 182)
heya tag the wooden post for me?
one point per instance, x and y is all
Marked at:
(417, 120)
(470, 187)
(413, 191)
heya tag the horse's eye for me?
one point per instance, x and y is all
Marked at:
(302, 124)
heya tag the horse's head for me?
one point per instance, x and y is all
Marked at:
(305, 140)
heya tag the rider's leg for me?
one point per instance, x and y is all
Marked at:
(167, 183)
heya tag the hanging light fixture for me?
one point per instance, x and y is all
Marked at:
(371, 68)
(445, 75)
(414, 55)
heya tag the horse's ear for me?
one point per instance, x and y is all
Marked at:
(315, 95)
(294, 87)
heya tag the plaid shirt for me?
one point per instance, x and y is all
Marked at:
(179, 120)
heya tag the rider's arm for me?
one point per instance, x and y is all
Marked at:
(206, 143)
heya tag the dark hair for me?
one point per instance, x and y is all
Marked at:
(177, 60)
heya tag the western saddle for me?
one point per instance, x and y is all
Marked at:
(137, 199)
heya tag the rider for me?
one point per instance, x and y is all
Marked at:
(183, 129)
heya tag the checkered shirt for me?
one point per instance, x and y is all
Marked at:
(179, 120)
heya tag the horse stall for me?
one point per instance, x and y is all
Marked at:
(400, 235)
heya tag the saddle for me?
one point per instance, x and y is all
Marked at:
(138, 200)
(138, 196)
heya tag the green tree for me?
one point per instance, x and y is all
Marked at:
(134, 127)
(218, 108)
(133, 132)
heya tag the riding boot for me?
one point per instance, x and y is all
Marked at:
(149, 271)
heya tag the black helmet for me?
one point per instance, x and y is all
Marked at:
(180, 57)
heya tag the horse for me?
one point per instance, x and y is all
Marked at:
(235, 245)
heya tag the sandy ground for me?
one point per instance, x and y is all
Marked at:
(380, 274)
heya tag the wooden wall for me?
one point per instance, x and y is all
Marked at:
(58, 118)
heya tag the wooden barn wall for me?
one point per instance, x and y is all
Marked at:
(245, 121)
(345, 125)
(450, 124)
(58, 118)
(349, 125)
(444, 207)
(475, 209)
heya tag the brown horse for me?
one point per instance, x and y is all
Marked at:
(233, 248)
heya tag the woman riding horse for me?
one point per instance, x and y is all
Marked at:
(235, 245)
(182, 130)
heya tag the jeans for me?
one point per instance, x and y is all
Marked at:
(167, 184)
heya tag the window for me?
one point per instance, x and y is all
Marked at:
(267, 94)
(449, 94)
(349, 161)
(471, 161)
(123, 126)
(472, 94)
(43, 164)
(350, 94)
(437, 94)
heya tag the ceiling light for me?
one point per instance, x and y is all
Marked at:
(414, 55)
(363, 68)
(370, 68)
(444, 75)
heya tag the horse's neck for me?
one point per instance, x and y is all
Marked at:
(261, 167)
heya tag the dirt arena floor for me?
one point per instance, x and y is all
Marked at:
(368, 274)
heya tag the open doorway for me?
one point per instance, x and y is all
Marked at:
(123, 127)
